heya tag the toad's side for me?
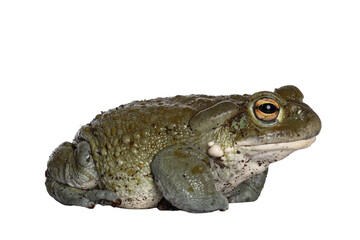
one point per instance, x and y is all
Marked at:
(198, 152)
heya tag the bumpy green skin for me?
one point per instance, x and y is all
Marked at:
(118, 146)
(124, 141)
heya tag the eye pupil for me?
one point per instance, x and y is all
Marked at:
(268, 108)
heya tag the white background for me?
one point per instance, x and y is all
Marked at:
(62, 62)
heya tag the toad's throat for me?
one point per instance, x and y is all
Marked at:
(245, 161)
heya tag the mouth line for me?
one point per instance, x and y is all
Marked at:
(294, 145)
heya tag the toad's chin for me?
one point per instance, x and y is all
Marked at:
(272, 152)
(294, 145)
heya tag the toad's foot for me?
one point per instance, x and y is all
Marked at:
(85, 198)
(249, 190)
(72, 179)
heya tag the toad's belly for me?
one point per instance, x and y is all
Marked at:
(142, 195)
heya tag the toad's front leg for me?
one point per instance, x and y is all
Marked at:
(72, 179)
(185, 180)
(249, 190)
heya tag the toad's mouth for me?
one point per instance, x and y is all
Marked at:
(294, 145)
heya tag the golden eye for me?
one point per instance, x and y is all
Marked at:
(266, 109)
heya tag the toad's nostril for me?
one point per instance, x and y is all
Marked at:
(313, 123)
(317, 123)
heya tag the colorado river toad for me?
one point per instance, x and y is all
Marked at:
(195, 153)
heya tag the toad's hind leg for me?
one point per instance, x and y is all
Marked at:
(85, 198)
(71, 177)
(185, 180)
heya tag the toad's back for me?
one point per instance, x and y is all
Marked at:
(124, 141)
